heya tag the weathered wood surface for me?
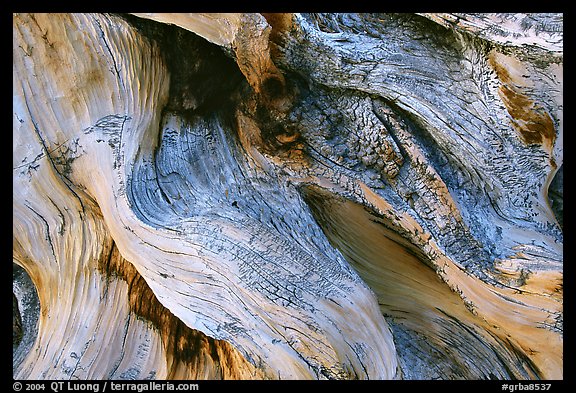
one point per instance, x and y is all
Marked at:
(288, 196)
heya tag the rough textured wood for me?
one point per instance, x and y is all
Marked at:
(302, 196)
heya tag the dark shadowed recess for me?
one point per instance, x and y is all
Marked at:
(203, 78)
(25, 314)
(556, 195)
(16, 322)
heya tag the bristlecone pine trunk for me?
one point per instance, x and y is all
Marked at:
(287, 196)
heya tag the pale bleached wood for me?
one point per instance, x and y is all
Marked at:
(359, 196)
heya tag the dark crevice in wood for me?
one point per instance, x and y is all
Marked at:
(556, 195)
(26, 314)
(182, 344)
(203, 79)
(17, 331)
